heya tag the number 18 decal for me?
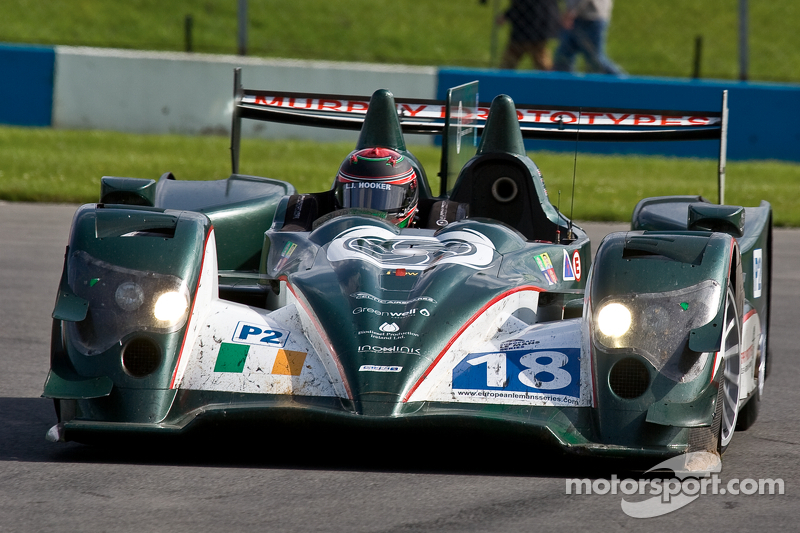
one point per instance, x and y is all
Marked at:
(544, 371)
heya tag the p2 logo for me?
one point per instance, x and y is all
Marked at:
(259, 335)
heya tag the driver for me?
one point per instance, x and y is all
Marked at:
(380, 179)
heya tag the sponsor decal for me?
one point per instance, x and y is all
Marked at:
(286, 254)
(524, 115)
(516, 344)
(391, 314)
(408, 255)
(576, 265)
(232, 358)
(367, 296)
(379, 368)
(401, 272)
(758, 265)
(367, 348)
(546, 266)
(246, 333)
(568, 273)
(552, 372)
(298, 208)
(388, 335)
(389, 328)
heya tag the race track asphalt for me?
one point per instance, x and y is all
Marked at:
(70, 487)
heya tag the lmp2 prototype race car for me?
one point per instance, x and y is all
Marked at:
(186, 305)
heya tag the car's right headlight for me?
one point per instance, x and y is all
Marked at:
(614, 320)
(657, 325)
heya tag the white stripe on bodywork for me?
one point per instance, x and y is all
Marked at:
(207, 291)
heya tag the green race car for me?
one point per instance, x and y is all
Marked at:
(379, 305)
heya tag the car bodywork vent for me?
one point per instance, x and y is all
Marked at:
(141, 357)
(628, 378)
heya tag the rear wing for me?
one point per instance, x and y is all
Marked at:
(462, 115)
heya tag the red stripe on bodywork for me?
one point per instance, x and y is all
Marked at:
(462, 329)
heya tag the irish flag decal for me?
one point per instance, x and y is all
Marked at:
(232, 358)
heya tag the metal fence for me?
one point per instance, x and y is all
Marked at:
(676, 38)
(720, 39)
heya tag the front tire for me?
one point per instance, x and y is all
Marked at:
(731, 352)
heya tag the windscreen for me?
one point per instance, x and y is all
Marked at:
(460, 141)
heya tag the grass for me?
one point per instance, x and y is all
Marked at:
(47, 165)
(645, 38)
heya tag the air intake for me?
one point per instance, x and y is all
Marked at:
(628, 378)
(141, 357)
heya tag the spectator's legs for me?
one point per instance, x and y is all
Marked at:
(540, 54)
(512, 55)
(590, 36)
(565, 52)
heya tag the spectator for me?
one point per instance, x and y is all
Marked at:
(533, 23)
(585, 28)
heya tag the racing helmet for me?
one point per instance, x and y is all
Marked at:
(380, 179)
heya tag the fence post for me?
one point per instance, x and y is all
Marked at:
(495, 35)
(187, 30)
(698, 56)
(242, 27)
(743, 30)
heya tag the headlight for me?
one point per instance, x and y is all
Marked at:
(122, 301)
(660, 332)
(129, 296)
(614, 320)
(170, 307)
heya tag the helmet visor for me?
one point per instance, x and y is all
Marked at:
(376, 195)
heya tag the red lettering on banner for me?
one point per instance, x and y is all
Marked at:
(591, 116)
(334, 105)
(699, 121)
(616, 120)
(537, 115)
(483, 113)
(557, 117)
(411, 111)
(308, 103)
(670, 121)
(520, 115)
(643, 119)
(357, 106)
(276, 101)
(443, 113)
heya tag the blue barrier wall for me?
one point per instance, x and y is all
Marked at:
(26, 85)
(764, 118)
